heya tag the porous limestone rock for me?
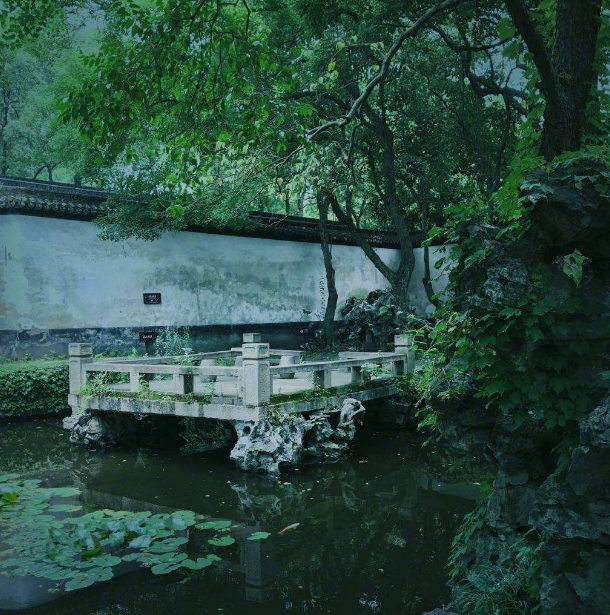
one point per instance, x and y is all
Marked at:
(273, 443)
(282, 441)
(323, 441)
(573, 509)
(464, 421)
(99, 431)
(569, 507)
(89, 430)
(318, 441)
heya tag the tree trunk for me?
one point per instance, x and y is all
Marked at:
(4, 169)
(427, 279)
(568, 74)
(402, 278)
(333, 297)
(573, 62)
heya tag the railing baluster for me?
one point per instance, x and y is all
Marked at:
(322, 378)
(398, 368)
(79, 355)
(403, 344)
(134, 379)
(356, 374)
(256, 378)
(183, 384)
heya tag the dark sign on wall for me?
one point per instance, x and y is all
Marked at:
(148, 337)
(152, 298)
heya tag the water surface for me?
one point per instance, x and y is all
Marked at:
(370, 534)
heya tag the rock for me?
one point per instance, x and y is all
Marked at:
(595, 429)
(395, 411)
(325, 442)
(509, 505)
(589, 580)
(573, 508)
(439, 612)
(464, 422)
(569, 507)
(318, 440)
(272, 444)
(571, 215)
(89, 430)
(281, 441)
(522, 449)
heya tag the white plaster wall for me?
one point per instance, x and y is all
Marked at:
(57, 274)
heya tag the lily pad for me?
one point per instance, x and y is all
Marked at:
(223, 541)
(202, 562)
(141, 542)
(6, 477)
(259, 536)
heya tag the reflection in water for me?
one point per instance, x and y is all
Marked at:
(370, 534)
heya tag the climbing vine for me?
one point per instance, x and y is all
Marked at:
(531, 338)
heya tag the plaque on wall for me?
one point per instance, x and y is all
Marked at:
(152, 298)
(148, 337)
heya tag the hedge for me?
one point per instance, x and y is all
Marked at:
(33, 388)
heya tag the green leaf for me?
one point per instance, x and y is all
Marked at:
(80, 582)
(165, 568)
(105, 561)
(141, 542)
(202, 562)
(8, 477)
(259, 536)
(223, 541)
(64, 508)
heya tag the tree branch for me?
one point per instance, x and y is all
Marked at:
(387, 273)
(535, 43)
(382, 74)
(482, 86)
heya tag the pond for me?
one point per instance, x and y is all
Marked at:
(369, 534)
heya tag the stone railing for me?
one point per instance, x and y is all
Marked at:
(253, 370)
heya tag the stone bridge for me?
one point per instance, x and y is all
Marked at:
(272, 398)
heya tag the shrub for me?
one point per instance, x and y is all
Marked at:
(173, 341)
(371, 323)
(33, 388)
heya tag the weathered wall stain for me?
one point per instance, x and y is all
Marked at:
(56, 274)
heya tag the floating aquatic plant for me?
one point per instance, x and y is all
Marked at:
(259, 536)
(79, 551)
